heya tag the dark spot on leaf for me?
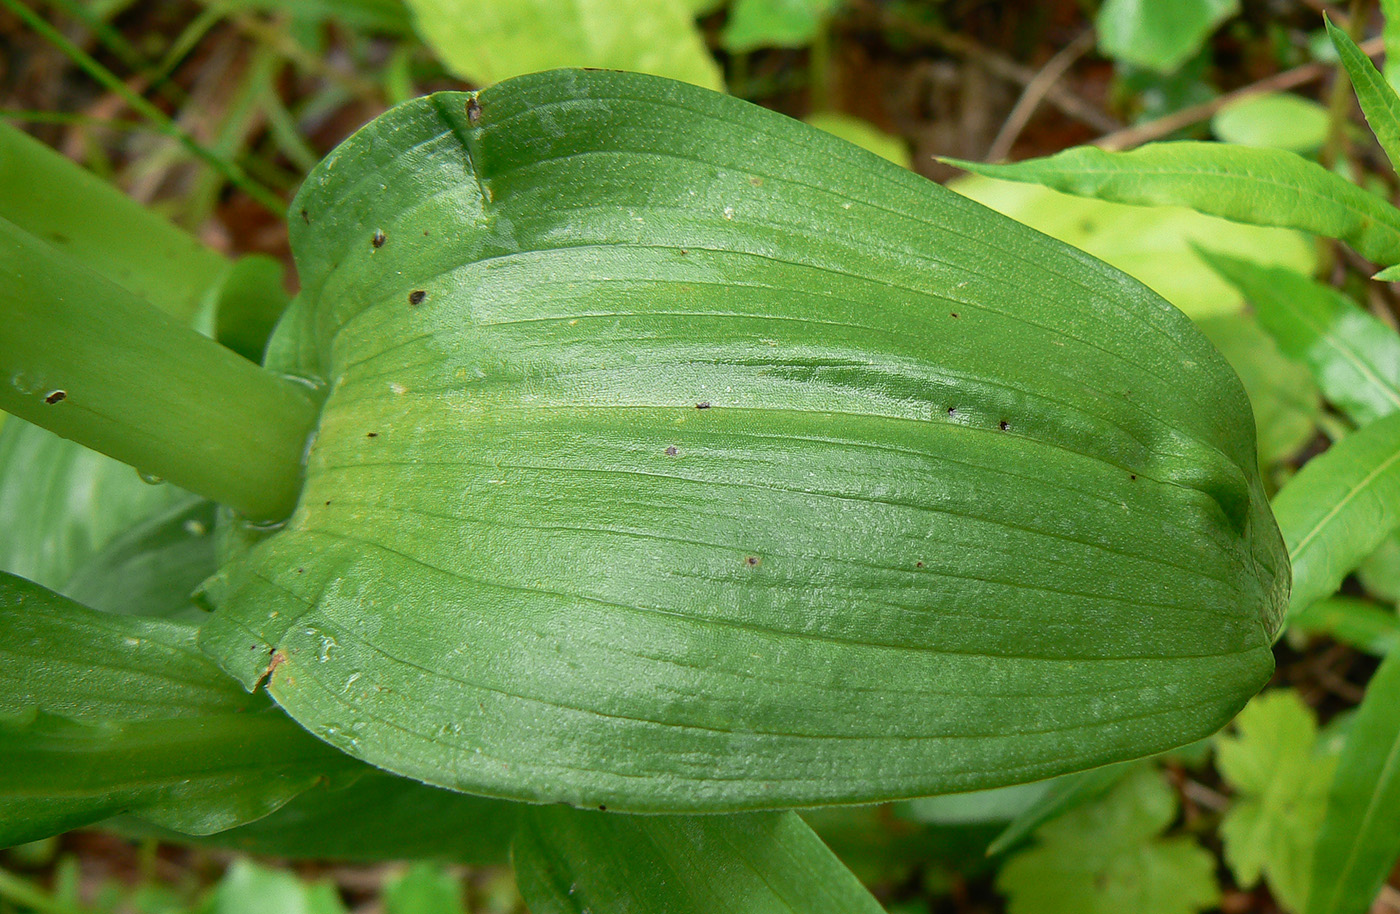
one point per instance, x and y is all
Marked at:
(305, 218)
(752, 560)
(301, 571)
(58, 396)
(952, 410)
(703, 404)
(473, 111)
(328, 502)
(1003, 425)
(918, 564)
(671, 451)
(684, 252)
(952, 314)
(416, 297)
(602, 808)
(371, 434)
(425, 233)
(378, 239)
(1133, 477)
(756, 181)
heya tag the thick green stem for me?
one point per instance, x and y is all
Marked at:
(88, 360)
(85, 217)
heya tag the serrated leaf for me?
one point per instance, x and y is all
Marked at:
(1155, 244)
(1358, 843)
(1352, 355)
(1255, 186)
(1339, 508)
(1281, 781)
(1378, 100)
(1108, 857)
(712, 436)
(570, 861)
(101, 714)
(1159, 36)
(757, 24)
(484, 41)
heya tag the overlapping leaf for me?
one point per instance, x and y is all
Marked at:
(1245, 184)
(102, 714)
(1358, 843)
(574, 861)
(681, 457)
(1340, 507)
(1159, 36)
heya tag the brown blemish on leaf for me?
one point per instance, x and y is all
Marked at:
(378, 239)
(918, 564)
(416, 297)
(756, 181)
(952, 410)
(1003, 425)
(752, 561)
(305, 217)
(473, 111)
(672, 451)
(58, 396)
(703, 404)
(371, 434)
(278, 658)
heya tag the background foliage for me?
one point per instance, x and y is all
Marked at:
(213, 112)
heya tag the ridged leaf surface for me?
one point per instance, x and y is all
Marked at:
(677, 456)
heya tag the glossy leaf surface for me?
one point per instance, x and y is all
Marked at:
(1245, 184)
(570, 861)
(1339, 508)
(101, 714)
(696, 460)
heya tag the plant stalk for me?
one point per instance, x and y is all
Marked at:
(89, 360)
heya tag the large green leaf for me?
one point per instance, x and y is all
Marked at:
(485, 41)
(1353, 356)
(1340, 507)
(1358, 842)
(1159, 36)
(678, 456)
(571, 861)
(101, 714)
(1241, 183)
